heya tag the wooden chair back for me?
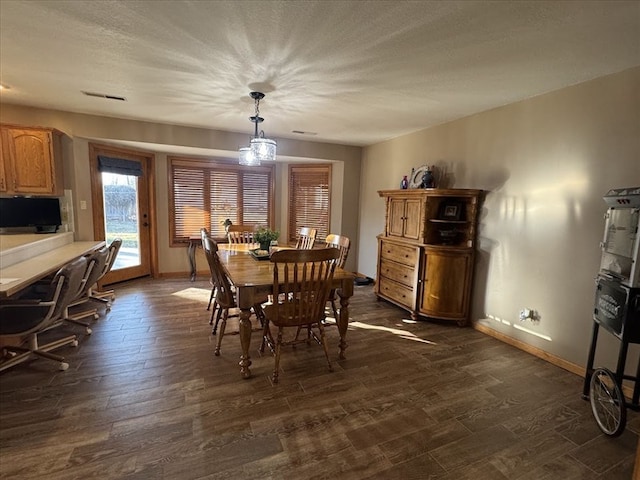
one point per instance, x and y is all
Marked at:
(240, 233)
(301, 285)
(340, 242)
(204, 233)
(306, 238)
(219, 278)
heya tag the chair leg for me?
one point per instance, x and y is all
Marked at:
(43, 351)
(267, 338)
(218, 313)
(75, 318)
(335, 310)
(222, 329)
(259, 313)
(213, 314)
(278, 348)
(212, 299)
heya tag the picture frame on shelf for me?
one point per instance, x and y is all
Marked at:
(450, 210)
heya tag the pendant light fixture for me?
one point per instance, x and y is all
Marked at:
(260, 148)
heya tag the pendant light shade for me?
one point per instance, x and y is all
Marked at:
(263, 148)
(247, 157)
(260, 148)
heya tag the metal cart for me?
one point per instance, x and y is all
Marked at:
(617, 310)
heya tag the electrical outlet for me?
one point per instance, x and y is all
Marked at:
(529, 314)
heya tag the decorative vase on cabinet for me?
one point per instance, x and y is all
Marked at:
(426, 253)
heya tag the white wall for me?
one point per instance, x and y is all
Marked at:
(545, 164)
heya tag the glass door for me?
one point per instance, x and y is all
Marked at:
(121, 210)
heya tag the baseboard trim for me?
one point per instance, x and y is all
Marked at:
(535, 351)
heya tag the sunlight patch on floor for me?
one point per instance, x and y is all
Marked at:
(194, 293)
(395, 331)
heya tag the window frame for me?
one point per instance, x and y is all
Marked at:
(318, 169)
(208, 165)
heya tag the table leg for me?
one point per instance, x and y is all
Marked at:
(345, 294)
(245, 342)
(191, 253)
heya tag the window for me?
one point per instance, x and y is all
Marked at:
(309, 194)
(203, 193)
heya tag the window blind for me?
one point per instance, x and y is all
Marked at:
(309, 199)
(205, 194)
(119, 165)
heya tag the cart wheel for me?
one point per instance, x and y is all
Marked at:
(607, 402)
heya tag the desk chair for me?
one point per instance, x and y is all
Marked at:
(301, 285)
(240, 233)
(24, 319)
(96, 262)
(107, 296)
(306, 238)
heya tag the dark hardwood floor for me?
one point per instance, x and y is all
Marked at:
(144, 398)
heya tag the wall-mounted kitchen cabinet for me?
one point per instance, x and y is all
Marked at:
(426, 253)
(31, 161)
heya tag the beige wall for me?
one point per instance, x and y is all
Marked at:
(165, 140)
(545, 163)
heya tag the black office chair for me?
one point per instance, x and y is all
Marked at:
(22, 320)
(107, 296)
(96, 263)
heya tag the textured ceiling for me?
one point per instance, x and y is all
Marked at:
(352, 72)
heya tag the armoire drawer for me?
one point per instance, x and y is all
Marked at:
(396, 291)
(399, 253)
(395, 271)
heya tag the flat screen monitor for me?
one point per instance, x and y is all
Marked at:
(42, 213)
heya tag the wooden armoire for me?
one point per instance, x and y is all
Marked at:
(426, 253)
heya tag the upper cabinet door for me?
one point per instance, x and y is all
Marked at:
(31, 161)
(395, 225)
(413, 218)
(405, 218)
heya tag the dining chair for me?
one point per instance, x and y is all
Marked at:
(306, 238)
(107, 296)
(204, 233)
(301, 284)
(224, 292)
(240, 233)
(343, 244)
(22, 320)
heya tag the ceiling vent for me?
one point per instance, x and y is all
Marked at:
(104, 95)
(300, 132)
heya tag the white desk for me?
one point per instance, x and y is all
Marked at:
(22, 274)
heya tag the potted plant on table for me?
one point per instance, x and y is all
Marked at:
(264, 236)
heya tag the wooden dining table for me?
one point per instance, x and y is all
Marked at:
(253, 280)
